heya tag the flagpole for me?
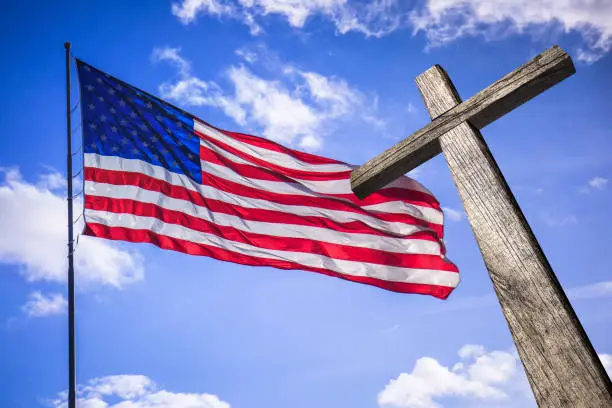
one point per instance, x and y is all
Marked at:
(71, 336)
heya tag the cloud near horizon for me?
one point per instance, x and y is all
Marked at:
(492, 378)
(134, 391)
(35, 215)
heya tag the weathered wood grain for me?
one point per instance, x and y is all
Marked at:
(561, 364)
(516, 88)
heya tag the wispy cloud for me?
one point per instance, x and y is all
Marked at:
(444, 21)
(452, 214)
(592, 291)
(40, 305)
(596, 183)
(441, 21)
(294, 105)
(137, 391)
(555, 221)
(373, 18)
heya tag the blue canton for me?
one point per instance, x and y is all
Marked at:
(121, 120)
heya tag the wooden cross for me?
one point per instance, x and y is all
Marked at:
(562, 367)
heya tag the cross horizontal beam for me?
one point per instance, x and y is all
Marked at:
(516, 88)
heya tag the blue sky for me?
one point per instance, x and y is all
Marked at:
(157, 328)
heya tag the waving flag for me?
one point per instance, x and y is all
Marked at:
(154, 173)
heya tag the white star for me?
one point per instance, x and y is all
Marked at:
(122, 103)
(92, 106)
(93, 145)
(115, 149)
(133, 114)
(135, 151)
(155, 157)
(149, 105)
(145, 144)
(119, 87)
(103, 137)
(90, 87)
(101, 98)
(114, 129)
(124, 141)
(191, 156)
(99, 80)
(154, 139)
(87, 68)
(113, 110)
(159, 118)
(164, 151)
(123, 122)
(103, 118)
(93, 125)
(134, 132)
(144, 127)
(111, 91)
(174, 164)
(179, 123)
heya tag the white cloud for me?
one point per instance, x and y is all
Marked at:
(248, 55)
(453, 215)
(135, 391)
(33, 219)
(371, 18)
(494, 378)
(598, 183)
(479, 375)
(444, 21)
(296, 107)
(411, 109)
(40, 305)
(592, 291)
(606, 360)
(559, 221)
(188, 10)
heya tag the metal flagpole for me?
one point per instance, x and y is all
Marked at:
(71, 337)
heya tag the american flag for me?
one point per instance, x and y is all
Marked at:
(155, 173)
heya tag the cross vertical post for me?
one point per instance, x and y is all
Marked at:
(562, 366)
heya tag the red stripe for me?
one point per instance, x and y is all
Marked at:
(382, 196)
(152, 184)
(165, 242)
(293, 173)
(331, 250)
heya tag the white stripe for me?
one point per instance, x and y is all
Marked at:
(138, 166)
(388, 273)
(278, 158)
(342, 186)
(376, 242)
